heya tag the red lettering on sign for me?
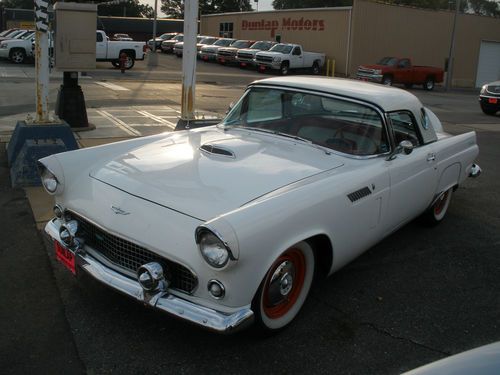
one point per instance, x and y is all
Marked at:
(286, 24)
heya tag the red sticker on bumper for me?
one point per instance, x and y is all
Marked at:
(65, 256)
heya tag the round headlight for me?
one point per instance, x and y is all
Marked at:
(49, 181)
(213, 249)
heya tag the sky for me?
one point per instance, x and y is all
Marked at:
(263, 5)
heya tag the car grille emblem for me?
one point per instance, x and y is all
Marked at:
(119, 211)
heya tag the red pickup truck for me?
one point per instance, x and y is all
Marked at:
(391, 70)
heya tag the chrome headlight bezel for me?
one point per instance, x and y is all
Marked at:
(377, 71)
(277, 59)
(48, 178)
(203, 235)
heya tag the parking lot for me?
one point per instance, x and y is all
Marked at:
(419, 295)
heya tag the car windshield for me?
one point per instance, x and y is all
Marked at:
(27, 36)
(208, 40)
(179, 38)
(389, 61)
(333, 123)
(241, 44)
(167, 36)
(5, 32)
(223, 42)
(282, 48)
(262, 46)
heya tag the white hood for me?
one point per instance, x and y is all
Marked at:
(177, 174)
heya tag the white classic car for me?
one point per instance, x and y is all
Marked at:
(228, 224)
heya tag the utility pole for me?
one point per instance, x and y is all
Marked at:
(189, 59)
(153, 58)
(451, 55)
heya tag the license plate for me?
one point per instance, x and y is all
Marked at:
(205, 58)
(222, 60)
(65, 256)
(243, 64)
(262, 67)
(492, 100)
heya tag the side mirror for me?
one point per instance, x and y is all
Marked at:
(404, 147)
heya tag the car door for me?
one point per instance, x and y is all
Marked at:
(402, 74)
(101, 46)
(296, 58)
(413, 176)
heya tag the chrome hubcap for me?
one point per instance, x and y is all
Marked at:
(281, 283)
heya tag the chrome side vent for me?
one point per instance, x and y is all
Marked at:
(217, 150)
(358, 194)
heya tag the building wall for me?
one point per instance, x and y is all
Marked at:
(376, 30)
(423, 35)
(317, 30)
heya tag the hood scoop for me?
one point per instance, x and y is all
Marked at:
(217, 150)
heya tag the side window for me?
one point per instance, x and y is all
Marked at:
(404, 127)
(404, 63)
(264, 105)
(296, 51)
(98, 37)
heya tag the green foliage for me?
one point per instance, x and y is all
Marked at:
(175, 8)
(18, 4)
(131, 8)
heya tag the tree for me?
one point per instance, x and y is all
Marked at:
(131, 8)
(175, 8)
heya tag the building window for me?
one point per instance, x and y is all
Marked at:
(226, 29)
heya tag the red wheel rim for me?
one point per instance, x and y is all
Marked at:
(440, 204)
(298, 261)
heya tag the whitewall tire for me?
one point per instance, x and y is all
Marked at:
(285, 287)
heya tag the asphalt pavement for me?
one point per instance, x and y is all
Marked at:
(419, 295)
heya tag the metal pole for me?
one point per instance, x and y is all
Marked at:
(451, 55)
(154, 25)
(41, 64)
(189, 59)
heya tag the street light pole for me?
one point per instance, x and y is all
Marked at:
(451, 55)
(152, 57)
(189, 59)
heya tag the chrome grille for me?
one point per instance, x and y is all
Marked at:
(127, 255)
(264, 58)
(245, 56)
(366, 71)
(226, 53)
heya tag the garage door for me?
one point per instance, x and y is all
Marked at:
(488, 68)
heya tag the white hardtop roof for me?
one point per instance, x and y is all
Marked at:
(386, 97)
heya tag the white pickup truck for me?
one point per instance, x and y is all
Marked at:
(285, 57)
(17, 50)
(107, 50)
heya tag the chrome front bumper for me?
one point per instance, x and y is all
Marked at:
(163, 301)
(369, 77)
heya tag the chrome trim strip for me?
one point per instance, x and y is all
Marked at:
(163, 301)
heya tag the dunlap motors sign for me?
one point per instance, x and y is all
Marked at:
(287, 23)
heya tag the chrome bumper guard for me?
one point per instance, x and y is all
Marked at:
(173, 305)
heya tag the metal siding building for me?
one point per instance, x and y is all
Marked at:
(369, 30)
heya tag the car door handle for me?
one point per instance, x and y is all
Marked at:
(431, 157)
